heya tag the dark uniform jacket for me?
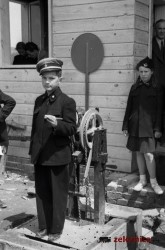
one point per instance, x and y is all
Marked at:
(51, 146)
(7, 103)
(159, 62)
(143, 113)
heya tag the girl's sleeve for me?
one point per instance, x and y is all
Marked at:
(159, 111)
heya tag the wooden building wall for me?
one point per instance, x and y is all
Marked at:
(24, 85)
(122, 26)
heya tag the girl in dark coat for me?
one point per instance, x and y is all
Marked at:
(143, 121)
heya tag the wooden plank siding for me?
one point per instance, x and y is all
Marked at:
(114, 23)
(122, 26)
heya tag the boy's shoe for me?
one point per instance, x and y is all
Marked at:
(138, 187)
(157, 189)
(41, 233)
(53, 237)
(2, 204)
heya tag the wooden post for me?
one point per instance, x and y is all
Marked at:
(99, 158)
(99, 194)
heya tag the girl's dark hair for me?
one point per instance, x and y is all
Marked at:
(146, 62)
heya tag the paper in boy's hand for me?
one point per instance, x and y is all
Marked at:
(50, 118)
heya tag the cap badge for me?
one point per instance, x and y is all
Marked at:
(145, 65)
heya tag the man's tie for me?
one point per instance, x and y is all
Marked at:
(162, 49)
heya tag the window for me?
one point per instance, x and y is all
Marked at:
(23, 21)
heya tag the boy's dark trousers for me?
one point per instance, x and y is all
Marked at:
(51, 183)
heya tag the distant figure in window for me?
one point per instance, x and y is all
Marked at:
(32, 52)
(21, 58)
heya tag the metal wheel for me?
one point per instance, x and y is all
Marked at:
(91, 121)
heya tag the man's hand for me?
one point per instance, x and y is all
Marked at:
(157, 134)
(51, 119)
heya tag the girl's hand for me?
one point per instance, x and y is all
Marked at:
(125, 132)
(157, 134)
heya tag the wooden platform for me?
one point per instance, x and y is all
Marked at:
(83, 235)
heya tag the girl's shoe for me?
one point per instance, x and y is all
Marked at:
(139, 186)
(157, 189)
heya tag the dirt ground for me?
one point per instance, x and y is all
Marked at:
(20, 206)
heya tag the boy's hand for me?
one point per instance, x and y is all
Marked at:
(157, 134)
(51, 119)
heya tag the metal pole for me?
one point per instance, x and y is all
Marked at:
(87, 77)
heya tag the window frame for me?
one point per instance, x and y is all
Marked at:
(5, 53)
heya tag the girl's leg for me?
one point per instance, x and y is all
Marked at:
(151, 167)
(141, 163)
(142, 171)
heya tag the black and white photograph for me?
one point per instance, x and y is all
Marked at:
(82, 124)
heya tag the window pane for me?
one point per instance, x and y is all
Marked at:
(35, 23)
(15, 27)
(15, 23)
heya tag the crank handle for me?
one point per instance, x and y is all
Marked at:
(84, 181)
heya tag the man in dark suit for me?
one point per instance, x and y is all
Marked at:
(8, 103)
(54, 122)
(158, 56)
(158, 51)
